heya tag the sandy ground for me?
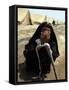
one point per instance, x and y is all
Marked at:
(24, 35)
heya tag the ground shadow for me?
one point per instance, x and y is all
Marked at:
(24, 75)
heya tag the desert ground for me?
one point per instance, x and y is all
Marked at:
(24, 34)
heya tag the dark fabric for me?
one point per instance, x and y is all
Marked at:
(45, 60)
(30, 53)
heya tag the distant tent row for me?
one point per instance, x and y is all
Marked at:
(27, 18)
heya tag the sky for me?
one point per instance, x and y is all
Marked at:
(56, 14)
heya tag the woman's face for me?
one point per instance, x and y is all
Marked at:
(45, 34)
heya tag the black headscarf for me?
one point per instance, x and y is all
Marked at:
(38, 32)
(29, 52)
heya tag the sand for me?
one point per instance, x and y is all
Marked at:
(24, 36)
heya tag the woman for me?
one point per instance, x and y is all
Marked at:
(45, 34)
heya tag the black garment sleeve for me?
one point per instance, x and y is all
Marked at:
(28, 49)
(54, 50)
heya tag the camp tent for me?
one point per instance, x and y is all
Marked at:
(24, 16)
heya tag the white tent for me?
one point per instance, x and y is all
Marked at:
(24, 16)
